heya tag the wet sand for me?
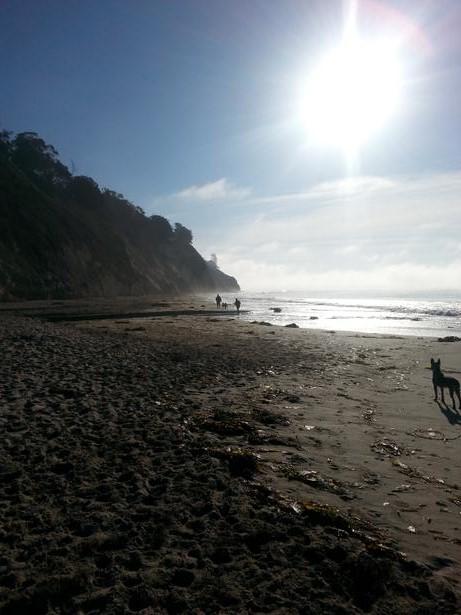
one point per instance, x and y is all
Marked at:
(202, 464)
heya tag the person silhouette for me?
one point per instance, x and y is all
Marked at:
(237, 305)
(218, 301)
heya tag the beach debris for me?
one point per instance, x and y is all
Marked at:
(267, 417)
(223, 422)
(266, 371)
(260, 437)
(329, 516)
(326, 515)
(412, 529)
(316, 480)
(309, 427)
(432, 434)
(242, 462)
(296, 506)
(449, 338)
(370, 478)
(272, 393)
(277, 310)
(292, 398)
(344, 395)
(386, 503)
(292, 325)
(401, 488)
(314, 318)
(386, 447)
(368, 415)
(257, 436)
(415, 473)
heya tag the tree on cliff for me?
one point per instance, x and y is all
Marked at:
(38, 160)
(182, 234)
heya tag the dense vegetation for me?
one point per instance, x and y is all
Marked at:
(62, 236)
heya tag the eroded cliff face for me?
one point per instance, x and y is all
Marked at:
(63, 237)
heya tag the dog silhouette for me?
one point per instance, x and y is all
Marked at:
(444, 382)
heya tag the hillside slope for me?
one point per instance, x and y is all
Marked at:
(61, 236)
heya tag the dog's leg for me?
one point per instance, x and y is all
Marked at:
(443, 397)
(435, 391)
(452, 399)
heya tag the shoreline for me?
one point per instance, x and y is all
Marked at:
(82, 316)
(148, 306)
(320, 436)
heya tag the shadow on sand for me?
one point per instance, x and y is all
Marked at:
(452, 416)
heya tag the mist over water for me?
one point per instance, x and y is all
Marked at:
(428, 317)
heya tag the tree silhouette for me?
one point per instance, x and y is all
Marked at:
(37, 159)
(182, 234)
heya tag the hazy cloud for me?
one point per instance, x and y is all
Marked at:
(401, 278)
(395, 234)
(220, 190)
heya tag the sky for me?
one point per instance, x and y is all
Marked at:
(193, 109)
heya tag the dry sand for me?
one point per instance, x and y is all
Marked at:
(203, 464)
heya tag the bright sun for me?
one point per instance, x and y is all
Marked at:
(351, 94)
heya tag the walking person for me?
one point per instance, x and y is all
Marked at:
(218, 301)
(237, 305)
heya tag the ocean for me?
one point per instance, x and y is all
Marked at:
(436, 317)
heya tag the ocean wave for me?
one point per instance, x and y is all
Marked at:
(448, 311)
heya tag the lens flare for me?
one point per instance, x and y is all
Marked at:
(351, 94)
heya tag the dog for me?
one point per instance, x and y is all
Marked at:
(439, 380)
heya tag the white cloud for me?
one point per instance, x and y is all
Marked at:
(331, 191)
(220, 190)
(400, 278)
(394, 234)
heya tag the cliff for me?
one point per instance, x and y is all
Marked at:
(61, 236)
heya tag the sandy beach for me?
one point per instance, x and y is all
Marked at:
(194, 463)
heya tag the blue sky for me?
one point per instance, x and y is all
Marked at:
(187, 107)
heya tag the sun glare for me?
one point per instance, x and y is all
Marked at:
(351, 94)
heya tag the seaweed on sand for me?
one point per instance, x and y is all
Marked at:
(267, 417)
(316, 480)
(327, 516)
(242, 462)
(223, 422)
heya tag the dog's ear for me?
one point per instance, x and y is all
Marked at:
(438, 362)
(432, 361)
